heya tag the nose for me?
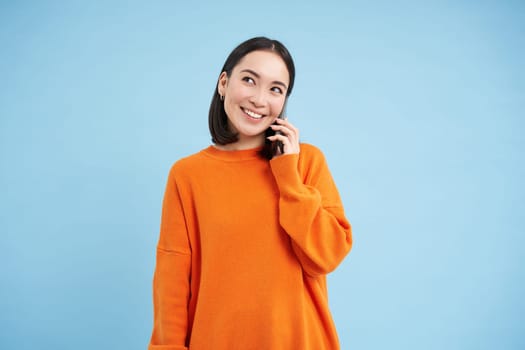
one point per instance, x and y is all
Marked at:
(258, 98)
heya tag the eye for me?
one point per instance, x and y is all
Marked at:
(277, 90)
(249, 80)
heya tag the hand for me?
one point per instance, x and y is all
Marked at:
(289, 136)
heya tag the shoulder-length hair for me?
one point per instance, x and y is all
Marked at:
(217, 118)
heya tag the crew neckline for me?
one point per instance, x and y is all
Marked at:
(233, 156)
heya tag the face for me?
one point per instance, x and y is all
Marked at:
(254, 95)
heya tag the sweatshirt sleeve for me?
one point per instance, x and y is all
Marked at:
(311, 212)
(171, 281)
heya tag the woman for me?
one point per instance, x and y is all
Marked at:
(249, 231)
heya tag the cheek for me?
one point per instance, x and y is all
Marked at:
(229, 108)
(236, 92)
(276, 108)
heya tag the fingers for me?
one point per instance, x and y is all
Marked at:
(284, 126)
(287, 134)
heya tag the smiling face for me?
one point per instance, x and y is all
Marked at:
(254, 95)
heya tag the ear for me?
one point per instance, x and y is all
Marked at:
(223, 83)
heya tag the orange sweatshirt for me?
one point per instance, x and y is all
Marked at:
(245, 245)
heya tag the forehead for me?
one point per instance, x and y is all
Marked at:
(267, 64)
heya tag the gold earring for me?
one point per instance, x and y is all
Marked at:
(222, 97)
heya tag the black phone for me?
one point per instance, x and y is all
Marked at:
(278, 145)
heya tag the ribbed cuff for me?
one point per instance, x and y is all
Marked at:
(286, 173)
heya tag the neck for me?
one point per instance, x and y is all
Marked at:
(243, 144)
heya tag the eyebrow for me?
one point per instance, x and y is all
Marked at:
(277, 82)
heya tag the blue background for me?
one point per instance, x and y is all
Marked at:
(418, 107)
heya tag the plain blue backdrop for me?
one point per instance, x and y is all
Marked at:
(417, 105)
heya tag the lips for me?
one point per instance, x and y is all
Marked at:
(252, 114)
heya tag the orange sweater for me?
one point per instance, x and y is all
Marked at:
(245, 245)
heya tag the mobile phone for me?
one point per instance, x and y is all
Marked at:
(278, 144)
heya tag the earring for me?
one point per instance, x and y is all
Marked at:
(222, 97)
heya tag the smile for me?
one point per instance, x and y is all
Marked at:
(252, 113)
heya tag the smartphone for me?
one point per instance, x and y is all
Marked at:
(278, 145)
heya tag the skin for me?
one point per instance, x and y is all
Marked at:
(254, 95)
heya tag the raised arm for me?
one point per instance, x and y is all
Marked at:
(310, 210)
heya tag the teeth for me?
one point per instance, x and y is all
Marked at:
(253, 114)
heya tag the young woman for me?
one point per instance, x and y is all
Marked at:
(249, 230)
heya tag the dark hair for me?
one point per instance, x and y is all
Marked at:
(217, 118)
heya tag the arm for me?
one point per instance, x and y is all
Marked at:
(311, 212)
(171, 286)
